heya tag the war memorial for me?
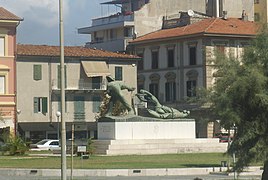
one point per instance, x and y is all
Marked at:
(163, 130)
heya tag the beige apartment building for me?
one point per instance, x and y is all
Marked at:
(139, 17)
(177, 61)
(38, 86)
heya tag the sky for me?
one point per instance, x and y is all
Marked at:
(40, 25)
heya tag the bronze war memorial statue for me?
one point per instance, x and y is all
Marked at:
(159, 110)
(116, 104)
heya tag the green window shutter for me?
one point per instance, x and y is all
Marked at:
(37, 72)
(59, 103)
(79, 108)
(35, 104)
(59, 76)
(44, 105)
(65, 76)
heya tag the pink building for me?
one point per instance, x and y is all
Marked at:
(8, 28)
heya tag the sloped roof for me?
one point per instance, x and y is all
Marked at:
(69, 51)
(231, 26)
(6, 15)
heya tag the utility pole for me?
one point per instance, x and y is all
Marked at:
(62, 80)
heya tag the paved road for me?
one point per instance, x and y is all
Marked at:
(207, 177)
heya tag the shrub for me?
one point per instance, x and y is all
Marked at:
(14, 145)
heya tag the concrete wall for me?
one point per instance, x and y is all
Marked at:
(233, 8)
(149, 17)
(180, 129)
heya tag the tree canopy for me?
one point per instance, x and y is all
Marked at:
(240, 98)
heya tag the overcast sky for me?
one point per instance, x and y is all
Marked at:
(41, 19)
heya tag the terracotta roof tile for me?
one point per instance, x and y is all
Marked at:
(231, 26)
(6, 15)
(69, 51)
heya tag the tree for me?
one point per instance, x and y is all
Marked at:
(240, 98)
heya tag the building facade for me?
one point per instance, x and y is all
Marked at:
(139, 17)
(261, 11)
(177, 61)
(38, 71)
(8, 29)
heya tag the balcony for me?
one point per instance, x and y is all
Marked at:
(79, 84)
(110, 22)
(113, 19)
(111, 45)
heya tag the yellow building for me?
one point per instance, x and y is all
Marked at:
(260, 11)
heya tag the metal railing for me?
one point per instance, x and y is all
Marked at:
(112, 19)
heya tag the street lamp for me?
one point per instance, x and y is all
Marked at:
(58, 114)
(62, 80)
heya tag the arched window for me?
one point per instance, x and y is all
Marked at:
(191, 83)
(170, 87)
(154, 85)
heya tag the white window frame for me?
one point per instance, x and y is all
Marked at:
(2, 84)
(4, 73)
(5, 45)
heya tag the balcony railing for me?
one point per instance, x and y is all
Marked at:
(79, 84)
(112, 19)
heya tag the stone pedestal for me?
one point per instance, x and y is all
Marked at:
(136, 127)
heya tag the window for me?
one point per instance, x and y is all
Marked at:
(59, 76)
(40, 105)
(170, 57)
(96, 104)
(128, 32)
(153, 88)
(256, 1)
(37, 72)
(2, 46)
(192, 55)
(79, 108)
(118, 73)
(154, 59)
(140, 62)
(96, 82)
(112, 34)
(59, 103)
(2, 84)
(191, 88)
(170, 91)
(256, 17)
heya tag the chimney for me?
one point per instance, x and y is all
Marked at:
(244, 16)
(224, 15)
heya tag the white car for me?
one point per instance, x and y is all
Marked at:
(45, 144)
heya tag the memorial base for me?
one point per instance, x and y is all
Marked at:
(136, 127)
(143, 135)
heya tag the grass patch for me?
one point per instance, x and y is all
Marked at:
(117, 162)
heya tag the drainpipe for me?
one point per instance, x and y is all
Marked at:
(217, 8)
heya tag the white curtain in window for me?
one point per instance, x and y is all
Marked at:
(2, 84)
(2, 46)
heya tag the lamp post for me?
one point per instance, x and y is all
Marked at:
(58, 114)
(62, 80)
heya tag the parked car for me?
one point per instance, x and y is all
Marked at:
(223, 137)
(45, 144)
